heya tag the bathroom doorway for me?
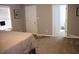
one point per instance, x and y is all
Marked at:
(60, 20)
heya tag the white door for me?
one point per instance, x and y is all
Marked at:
(31, 21)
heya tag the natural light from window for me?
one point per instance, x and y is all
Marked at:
(6, 17)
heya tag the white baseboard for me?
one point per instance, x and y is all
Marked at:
(69, 36)
(43, 35)
(72, 36)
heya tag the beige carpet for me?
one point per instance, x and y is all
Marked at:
(50, 45)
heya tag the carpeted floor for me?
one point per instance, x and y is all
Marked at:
(51, 45)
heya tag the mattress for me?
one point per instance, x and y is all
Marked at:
(16, 42)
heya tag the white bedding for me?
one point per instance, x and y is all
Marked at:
(16, 42)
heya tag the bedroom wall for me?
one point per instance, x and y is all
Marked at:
(17, 24)
(73, 20)
(23, 17)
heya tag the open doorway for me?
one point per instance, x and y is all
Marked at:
(59, 20)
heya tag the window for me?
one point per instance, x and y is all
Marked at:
(5, 18)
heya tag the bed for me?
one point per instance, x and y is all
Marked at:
(16, 42)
